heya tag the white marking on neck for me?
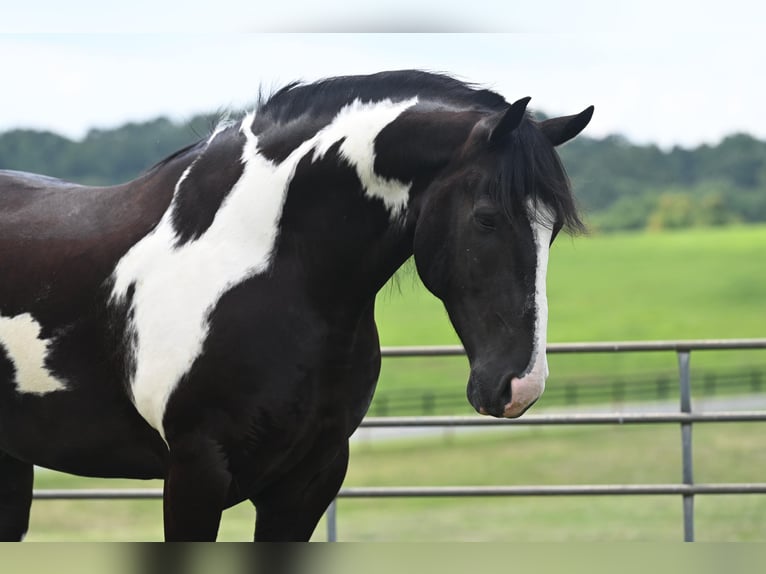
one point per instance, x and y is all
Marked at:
(178, 286)
(358, 124)
(20, 335)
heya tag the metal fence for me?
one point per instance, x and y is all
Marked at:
(564, 390)
(686, 488)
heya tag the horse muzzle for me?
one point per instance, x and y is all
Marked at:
(512, 397)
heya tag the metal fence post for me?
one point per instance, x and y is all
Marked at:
(332, 521)
(686, 443)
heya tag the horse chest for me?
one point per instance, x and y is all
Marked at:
(170, 294)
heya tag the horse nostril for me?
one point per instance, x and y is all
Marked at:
(490, 399)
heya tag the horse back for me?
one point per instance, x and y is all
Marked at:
(59, 241)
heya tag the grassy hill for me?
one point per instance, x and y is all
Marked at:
(692, 284)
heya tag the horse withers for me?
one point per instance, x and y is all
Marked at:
(211, 322)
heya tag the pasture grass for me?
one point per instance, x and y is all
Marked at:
(731, 452)
(691, 284)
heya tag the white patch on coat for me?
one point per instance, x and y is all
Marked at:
(530, 385)
(178, 286)
(20, 335)
(358, 124)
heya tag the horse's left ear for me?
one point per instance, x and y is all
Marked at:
(561, 130)
(508, 120)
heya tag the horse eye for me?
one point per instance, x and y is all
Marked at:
(486, 217)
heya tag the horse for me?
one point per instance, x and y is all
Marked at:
(211, 323)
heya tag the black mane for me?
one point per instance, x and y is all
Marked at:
(328, 96)
(194, 146)
(325, 98)
(529, 168)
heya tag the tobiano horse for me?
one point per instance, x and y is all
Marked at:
(211, 322)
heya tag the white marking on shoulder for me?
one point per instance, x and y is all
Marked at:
(20, 335)
(178, 286)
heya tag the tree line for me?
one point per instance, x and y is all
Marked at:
(626, 186)
(620, 185)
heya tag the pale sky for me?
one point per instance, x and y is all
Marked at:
(671, 73)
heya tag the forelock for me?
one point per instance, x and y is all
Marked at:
(530, 171)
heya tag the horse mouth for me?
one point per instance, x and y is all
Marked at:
(514, 397)
(511, 411)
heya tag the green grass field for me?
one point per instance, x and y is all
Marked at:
(693, 284)
(730, 452)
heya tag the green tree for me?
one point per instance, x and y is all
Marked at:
(673, 211)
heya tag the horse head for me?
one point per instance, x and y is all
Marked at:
(481, 245)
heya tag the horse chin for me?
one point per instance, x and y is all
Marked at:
(524, 394)
(525, 391)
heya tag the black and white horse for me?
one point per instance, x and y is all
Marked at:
(211, 322)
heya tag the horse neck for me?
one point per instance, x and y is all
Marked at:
(370, 233)
(334, 211)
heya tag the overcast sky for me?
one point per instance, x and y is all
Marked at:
(672, 73)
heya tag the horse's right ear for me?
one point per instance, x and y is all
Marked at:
(561, 130)
(507, 121)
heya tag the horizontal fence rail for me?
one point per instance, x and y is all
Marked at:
(567, 419)
(442, 491)
(551, 490)
(687, 489)
(598, 347)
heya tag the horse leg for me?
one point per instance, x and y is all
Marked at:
(16, 478)
(291, 509)
(196, 489)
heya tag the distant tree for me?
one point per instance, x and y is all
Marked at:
(627, 213)
(103, 156)
(673, 211)
(35, 151)
(714, 210)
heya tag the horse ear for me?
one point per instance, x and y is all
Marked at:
(563, 129)
(508, 120)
